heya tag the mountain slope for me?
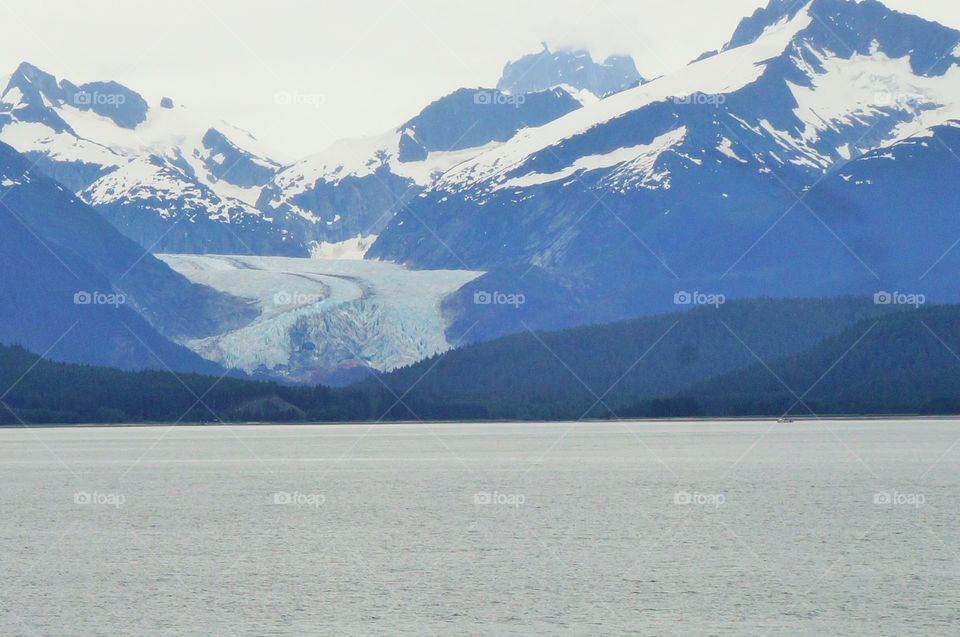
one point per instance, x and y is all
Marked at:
(896, 207)
(691, 181)
(356, 186)
(157, 204)
(69, 275)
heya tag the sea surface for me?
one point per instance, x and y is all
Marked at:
(671, 528)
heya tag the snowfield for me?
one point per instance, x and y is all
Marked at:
(323, 320)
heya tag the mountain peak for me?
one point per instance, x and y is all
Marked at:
(40, 92)
(32, 73)
(862, 27)
(763, 18)
(32, 80)
(545, 69)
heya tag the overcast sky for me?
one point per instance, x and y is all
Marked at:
(352, 68)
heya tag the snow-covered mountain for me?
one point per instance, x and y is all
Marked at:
(691, 181)
(147, 167)
(157, 203)
(577, 69)
(175, 183)
(356, 186)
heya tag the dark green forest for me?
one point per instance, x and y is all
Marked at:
(746, 358)
(904, 363)
(654, 357)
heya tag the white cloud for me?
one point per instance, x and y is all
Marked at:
(360, 67)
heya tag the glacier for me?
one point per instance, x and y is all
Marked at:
(324, 320)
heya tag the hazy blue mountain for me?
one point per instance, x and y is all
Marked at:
(74, 288)
(547, 69)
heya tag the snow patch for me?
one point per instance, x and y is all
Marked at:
(13, 96)
(582, 95)
(852, 91)
(639, 161)
(350, 249)
(156, 184)
(36, 137)
(363, 157)
(726, 148)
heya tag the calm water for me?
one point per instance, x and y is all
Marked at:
(845, 528)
